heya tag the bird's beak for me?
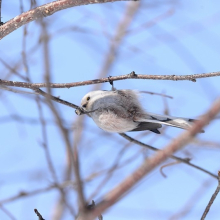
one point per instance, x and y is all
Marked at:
(84, 105)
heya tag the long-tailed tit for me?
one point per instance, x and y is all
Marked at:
(121, 111)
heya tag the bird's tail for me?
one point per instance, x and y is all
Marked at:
(183, 123)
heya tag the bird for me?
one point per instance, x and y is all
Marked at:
(121, 111)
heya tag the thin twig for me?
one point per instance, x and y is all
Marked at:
(76, 167)
(23, 119)
(38, 214)
(15, 90)
(109, 171)
(212, 198)
(9, 214)
(167, 165)
(186, 161)
(156, 93)
(79, 110)
(13, 70)
(26, 193)
(131, 75)
(56, 99)
(45, 141)
(192, 200)
(1, 23)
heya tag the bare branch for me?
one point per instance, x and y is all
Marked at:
(76, 167)
(212, 198)
(166, 165)
(25, 194)
(16, 91)
(38, 214)
(183, 160)
(44, 11)
(132, 75)
(56, 99)
(190, 203)
(45, 141)
(156, 93)
(9, 214)
(1, 23)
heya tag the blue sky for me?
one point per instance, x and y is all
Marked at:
(179, 38)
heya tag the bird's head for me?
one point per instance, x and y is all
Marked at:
(88, 100)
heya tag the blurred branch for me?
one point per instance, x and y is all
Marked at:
(45, 142)
(186, 161)
(9, 214)
(64, 131)
(111, 169)
(23, 119)
(76, 167)
(117, 40)
(156, 93)
(154, 21)
(44, 11)
(1, 23)
(30, 193)
(190, 203)
(204, 143)
(15, 91)
(212, 198)
(13, 69)
(119, 191)
(166, 165)
(132, 75)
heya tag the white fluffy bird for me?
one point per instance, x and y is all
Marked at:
(121, 111)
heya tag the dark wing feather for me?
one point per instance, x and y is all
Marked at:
(142, 126)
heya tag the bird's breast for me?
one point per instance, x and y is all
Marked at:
(112, 122)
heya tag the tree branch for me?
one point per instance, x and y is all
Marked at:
(212, 198)
(56, 99)
(132, 75)
(38, 214)
(1, 23)
(44, 11)
(183, 160)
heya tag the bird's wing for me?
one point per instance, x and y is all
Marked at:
(142, 126)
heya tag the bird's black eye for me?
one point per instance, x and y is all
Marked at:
(88, 98)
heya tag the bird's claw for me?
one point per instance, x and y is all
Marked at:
(111, 83)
